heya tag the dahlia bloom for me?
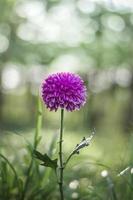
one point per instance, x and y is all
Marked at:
(63, 90)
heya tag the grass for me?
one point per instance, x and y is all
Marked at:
(21, 176)
(84, 168)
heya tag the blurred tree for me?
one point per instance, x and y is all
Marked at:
(103, 36)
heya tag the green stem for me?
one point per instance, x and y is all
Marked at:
(36, 140)
(68, 159)
(61, 157)
(27, 179)
(111, 188)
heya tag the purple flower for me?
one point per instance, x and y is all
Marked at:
(64, 90)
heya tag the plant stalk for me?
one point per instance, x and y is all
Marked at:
(68, 159)
(36, 140)
(61, 168)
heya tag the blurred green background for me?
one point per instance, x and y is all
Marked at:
(92, 38)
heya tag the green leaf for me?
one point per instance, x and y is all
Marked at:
(47, 162)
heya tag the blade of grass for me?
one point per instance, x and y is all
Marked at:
(36, 140)
(13, 170)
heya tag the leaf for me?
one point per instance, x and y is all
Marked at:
(84, 143)
(47, 162)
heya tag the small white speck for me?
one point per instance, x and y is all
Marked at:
(131, 171)
(104, 173)
(75, 195)
(74, 184)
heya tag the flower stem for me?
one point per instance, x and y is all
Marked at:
(68, 159)
(61, 157)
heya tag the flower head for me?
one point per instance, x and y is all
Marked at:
(64, 90)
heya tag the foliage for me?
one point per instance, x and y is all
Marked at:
(84, 179)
